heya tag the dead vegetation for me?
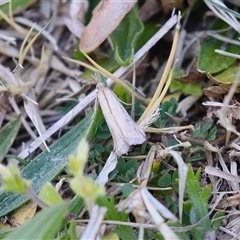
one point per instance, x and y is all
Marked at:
(168, 171)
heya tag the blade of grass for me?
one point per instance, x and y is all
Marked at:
(7, 136)
(46, 166)
(44, 225)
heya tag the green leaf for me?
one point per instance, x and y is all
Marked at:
(49, 195)
(7, 135)
(132, 164)
(76, 205)
(127, 189)
(17, 6)
(216, 220)
(125, 37)
(194, 157)
(124, 232)
(227, 76)
(100, 148)
(44, 225)
(165, 180)
(203, 132)
(96, 121)
(149, 30)
(72, 230)
(122, 93)
(199, 199)
(211, 62)
(46, 166)
(192, 88)
(120, 165)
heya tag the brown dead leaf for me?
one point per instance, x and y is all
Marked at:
(167, 6)
(148, 9)
(106, 17)
(192, 76)
(232, 201)
(22, 214)
(215, 91)
(235, 112)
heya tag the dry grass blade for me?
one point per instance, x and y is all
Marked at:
(143, 205)
(108, 167)
(224, 119)
(33, 114)
(224, 15)
(93, 227)
(160, 92)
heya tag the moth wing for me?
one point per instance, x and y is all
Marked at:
(110, 105)
(132, 133)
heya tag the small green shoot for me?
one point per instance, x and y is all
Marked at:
(7, 136)
(205, 132)
(49, 195)
(199, 199)
(83, 186)
(12, 180)
(166, 109)
(124, 232)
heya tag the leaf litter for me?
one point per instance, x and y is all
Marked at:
(42, 76)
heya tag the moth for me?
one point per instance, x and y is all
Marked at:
(125, 132)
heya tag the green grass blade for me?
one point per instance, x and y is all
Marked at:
(46, 166)
(17, 6)
(7, 136)
(44, 225)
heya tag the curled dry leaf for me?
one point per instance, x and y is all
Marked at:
(215, 91)
(192, 76)
(235, 111)
(229, 202)
(106, 17)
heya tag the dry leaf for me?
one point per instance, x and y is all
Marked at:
(192, 76)
(169, 5)
(235, 111)
(229, 201)
(22, 214)
(32, 112)
(106, 17)
(215, 91)
(109, 166)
